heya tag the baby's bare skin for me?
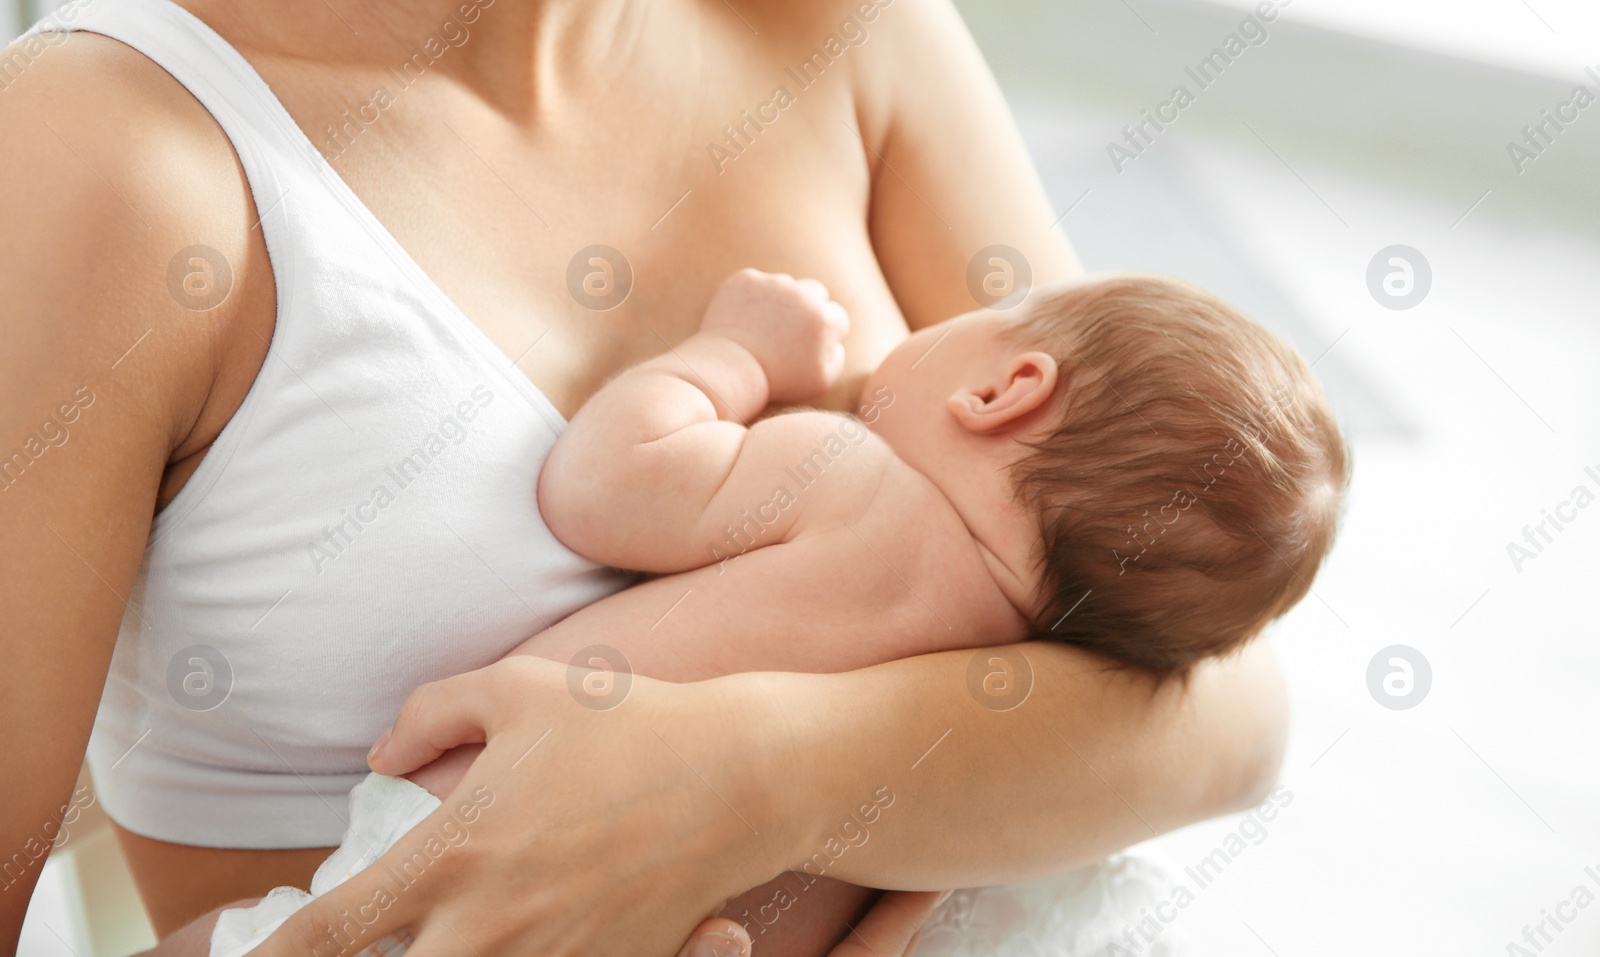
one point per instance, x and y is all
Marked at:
(662, 472)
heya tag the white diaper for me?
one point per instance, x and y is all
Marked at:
(1089, 912)
(382, 809)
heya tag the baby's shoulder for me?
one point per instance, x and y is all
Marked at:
(889, 529)
(828, 437)
(839, 468)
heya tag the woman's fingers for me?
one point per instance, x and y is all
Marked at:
(717, 937)
(435, 718)
(891, 928)
(506, 867)
(396, 893)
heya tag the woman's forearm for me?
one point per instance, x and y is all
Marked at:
(1092, 761)
(895, 776)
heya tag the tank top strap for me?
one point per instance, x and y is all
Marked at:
(366, 521)
(276, 156)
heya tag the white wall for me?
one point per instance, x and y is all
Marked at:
(10, 19)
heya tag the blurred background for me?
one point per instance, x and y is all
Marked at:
(1442, 796)
(1457, 818)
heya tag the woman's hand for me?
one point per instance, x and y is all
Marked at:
(587, 832)
(576, 831)
(893, 926)
(890, 929)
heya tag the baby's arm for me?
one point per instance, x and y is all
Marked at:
(663, 456)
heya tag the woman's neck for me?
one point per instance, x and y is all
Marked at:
(518, 55)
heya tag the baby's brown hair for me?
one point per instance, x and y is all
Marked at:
(1193, 481)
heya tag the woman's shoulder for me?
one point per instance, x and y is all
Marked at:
(80, 110)
(111, 171)
(898, 56)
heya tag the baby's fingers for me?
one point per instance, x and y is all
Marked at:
(836, 317)
(813, 289)
(833, 365)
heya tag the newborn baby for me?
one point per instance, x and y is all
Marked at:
(1126, 463)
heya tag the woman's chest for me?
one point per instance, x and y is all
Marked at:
(581, 244)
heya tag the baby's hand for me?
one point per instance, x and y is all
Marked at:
(790, 325)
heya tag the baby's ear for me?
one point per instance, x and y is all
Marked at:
(1023, 385)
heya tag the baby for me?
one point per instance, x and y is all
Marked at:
(1127, 464)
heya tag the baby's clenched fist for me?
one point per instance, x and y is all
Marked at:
(790, 325)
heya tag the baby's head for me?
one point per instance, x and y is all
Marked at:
(1178, 463)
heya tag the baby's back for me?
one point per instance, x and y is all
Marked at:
(875, 543)
(843, 557)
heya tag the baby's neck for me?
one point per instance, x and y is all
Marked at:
(974, 476)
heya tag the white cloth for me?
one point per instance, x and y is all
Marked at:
(1094, 911)
(1120, 907)
(382, 810)
(365, 523)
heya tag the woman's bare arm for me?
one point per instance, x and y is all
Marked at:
(1092, 762)
(950, 174)
(953, 178)
(103, 378)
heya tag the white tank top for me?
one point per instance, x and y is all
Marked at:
(365, 523)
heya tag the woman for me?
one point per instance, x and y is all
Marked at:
(218, 334)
